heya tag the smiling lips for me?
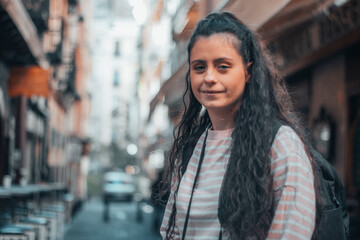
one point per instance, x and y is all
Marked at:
(211, 91)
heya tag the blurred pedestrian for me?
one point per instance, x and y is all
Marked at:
(235, 98)
(158, 201)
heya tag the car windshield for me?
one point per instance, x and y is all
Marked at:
(115, 182)
(118, 181)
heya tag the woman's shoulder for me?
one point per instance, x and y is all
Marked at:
(287, 140)
(289, 160)
(288, 149)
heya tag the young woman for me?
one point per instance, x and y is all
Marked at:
(264, 183)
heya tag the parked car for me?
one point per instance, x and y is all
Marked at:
(118, 186)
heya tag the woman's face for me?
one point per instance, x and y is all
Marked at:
(217, 73)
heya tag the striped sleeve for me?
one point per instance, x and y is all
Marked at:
(293, 187)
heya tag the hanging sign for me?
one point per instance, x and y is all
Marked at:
(28, 81)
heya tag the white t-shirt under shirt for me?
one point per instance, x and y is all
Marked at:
(293, 186)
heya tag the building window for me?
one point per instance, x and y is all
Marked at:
(116, 79)
(117, 49)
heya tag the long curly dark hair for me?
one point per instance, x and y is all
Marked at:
(247, 186)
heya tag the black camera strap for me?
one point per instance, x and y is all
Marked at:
(194, 184)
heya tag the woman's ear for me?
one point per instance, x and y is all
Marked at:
(248, 71)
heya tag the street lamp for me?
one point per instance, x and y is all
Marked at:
(139, 11)
(132, 149)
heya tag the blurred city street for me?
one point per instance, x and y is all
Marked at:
(92, 90)
(122, 224)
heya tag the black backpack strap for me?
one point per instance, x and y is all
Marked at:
(333, 209)
(276, 126)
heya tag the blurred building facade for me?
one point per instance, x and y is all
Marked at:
(316, 45)
(44, 70)
(155, 62)
(115, 113)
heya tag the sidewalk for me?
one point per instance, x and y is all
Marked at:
(89, 224)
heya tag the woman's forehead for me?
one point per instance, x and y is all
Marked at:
(219, 42)
(227, 37)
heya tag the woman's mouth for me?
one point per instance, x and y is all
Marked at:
(211, 91)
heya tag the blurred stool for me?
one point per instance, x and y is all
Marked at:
(13, 233)
(39, 223)
(5, 218)
(52, 222)
(59, 210)
(30, 232)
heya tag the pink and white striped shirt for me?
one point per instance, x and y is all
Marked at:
(293, 187)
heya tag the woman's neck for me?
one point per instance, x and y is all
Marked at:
(222, 121)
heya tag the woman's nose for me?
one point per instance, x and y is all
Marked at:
(209, 75)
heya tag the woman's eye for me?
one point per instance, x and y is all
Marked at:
(223, 67)
(199, 68)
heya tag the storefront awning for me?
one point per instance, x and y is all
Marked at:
(171, 91)
(25, 26)
(28, 81)
(295, 13)
(254, 13)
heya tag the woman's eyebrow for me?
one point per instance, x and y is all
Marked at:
(222, 59)
(197, 61)
(215, 60)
